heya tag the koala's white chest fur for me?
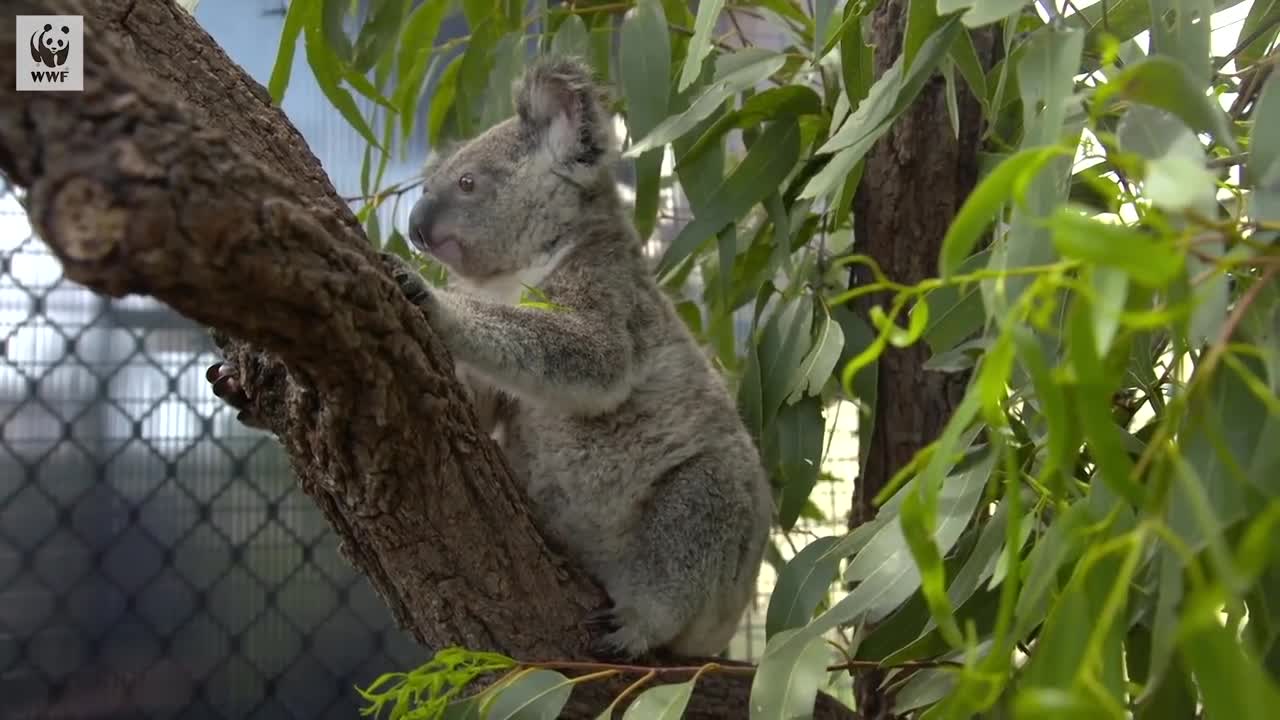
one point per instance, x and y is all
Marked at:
(508, 288)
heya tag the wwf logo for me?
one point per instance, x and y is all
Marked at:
(53, 56)
(51, 48)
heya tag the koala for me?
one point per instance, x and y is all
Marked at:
(626, 439)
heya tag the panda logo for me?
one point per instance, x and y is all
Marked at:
(51, 48)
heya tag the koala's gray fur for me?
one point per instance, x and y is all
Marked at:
(635, 460)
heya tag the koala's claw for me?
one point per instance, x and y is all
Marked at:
(613, 635)
(412, 285)
(226, 387)
(602, 620)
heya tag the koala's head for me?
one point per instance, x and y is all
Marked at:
(525, 187)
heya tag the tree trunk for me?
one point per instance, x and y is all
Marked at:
(172, 175)
(915, 180)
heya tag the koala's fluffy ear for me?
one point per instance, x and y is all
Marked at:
(561, 106)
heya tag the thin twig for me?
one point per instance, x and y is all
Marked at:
(393, 191)
(733, 20)
(686, 31)
(1237, 315)
(729, 669)
(608, 712)
(1051, 10)
(749, 12)
(1228, 161)
(1209, 361)
(1246, 42)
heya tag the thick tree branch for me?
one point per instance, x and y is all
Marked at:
(177, 178)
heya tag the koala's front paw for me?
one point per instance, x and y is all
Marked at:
(227, 388)
(411, 283)
(615, 634)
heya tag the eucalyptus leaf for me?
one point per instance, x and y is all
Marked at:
(376, 35)
(801, 585)
(788, 676)
(922, 21)
(800, 435)
(1264, 145)
(1093, 403)
(772, 104)
(534, 694)
(1045, 78)
(1166, 84)
(923, 688)
(822, 11)
(703, 26)
(1179, 181)
(1180, 29)
(770, 159)
(895, 89)
(1150, 131)
(750, 400)
(664, 702)
(645, 53)
(474, 72)
(294, 20)
(570, 39)
(884, 569)
(1058, 546)
(330, 21)
(1085, 627)
(1232, 684)
(787, 339)
(1145, 260)
(857, 60)
(816, 368)
(1112, 291)
(1257, 33)
(917, 524)
(711, 98)
(328, 73)
(985, 12)
(443, 102)
(999, 187)
(885, 101)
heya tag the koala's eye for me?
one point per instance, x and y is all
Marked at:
(466, 183)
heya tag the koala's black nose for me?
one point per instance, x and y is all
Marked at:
(420, 219)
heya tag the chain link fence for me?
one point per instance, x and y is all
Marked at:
(156, 558)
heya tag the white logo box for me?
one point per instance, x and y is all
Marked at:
(50, 51)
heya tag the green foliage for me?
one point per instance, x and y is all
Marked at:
(426, 692)
(664, 702)
(788, 676)
(1089, 535)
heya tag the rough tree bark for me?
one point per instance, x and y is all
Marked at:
(173, 176)
(916, 178)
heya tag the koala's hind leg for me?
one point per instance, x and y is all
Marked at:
(686, 552)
